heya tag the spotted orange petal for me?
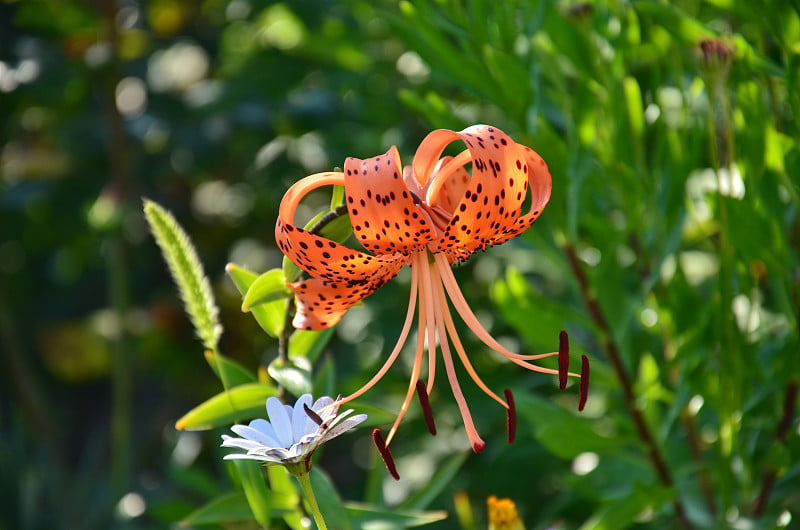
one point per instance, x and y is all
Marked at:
(383, 212)
(321, 304)
(492, 203)
(490, 208)
(540, 185)
(449, 194)
(318, 256)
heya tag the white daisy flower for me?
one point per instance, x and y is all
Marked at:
(293, 433)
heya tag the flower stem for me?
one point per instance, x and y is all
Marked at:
(308, 491)
(615, 356)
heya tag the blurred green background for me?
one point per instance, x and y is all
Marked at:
(669, 249)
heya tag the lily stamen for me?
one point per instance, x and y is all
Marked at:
(511, 416)
(563, 360)
(427, 412)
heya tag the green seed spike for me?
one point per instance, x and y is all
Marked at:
(187, 272)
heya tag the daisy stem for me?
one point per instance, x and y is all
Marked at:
(308, 491)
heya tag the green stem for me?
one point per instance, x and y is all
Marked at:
(308, 491)
(721, 150)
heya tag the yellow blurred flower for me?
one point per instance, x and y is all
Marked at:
(503, 514)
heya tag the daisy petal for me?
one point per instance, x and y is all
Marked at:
(249, 433)
(239, 443)
(241, 456)
(266, 429)
(343, 427)
(322, 402)
(280, 421)
(301, 423)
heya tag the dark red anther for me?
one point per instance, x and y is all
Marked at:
(478, 446)
(386, 455)
(563, 359)
(584, 382)
(427, 413)
(511, 417)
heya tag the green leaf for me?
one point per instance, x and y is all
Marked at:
(187, 272)
(620, 513)
(369, 516)
(337, 229)
(294, 376)
(517, 302)
(290, 271)
(229, 371)
(442, 478)
(633, 100)
(227, 508)
(255, 490)
(271, 316)
(266, 288)
(281, 483)
(746, 54)
(330, 504)
(561, 432)
(241, 402)
(688, 29)
(309, 344)
(432, 107)
(269, 287)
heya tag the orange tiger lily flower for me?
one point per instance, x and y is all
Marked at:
(429, 215)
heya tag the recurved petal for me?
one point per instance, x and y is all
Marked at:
(540, 185)
(493, 199)
(450, 192)
(321, 304)
(319, 257)
(383, 212)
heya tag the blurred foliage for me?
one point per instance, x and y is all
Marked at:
(669, 251)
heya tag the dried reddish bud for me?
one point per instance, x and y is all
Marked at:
(584, 382)
(579, 11)
(427, 413)
(386, 455)
(563, 360)
(511, 417)
(714, 56)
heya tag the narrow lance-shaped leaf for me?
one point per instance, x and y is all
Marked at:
(271, 316)
(329, 501)
(255, 489)
(230, 371)
(237, 403)
(225, 509)
(268, 287)
(187, 272)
